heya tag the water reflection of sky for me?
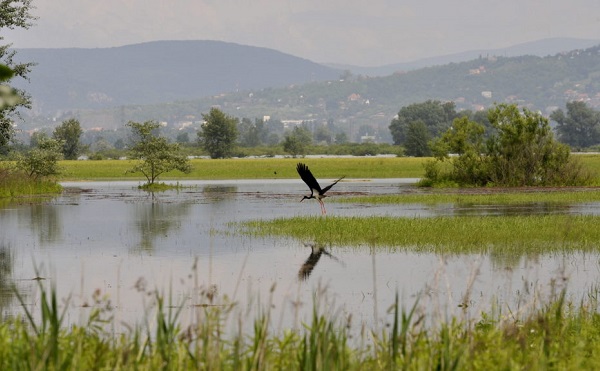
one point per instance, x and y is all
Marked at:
(108, 235)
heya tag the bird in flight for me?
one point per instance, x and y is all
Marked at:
(315, 189)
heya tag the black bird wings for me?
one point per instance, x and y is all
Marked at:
(308, 178)
(331, 185)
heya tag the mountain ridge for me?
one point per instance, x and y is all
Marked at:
(158, 71)
(171, 70)
(539, 48)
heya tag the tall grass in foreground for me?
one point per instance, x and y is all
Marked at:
(14, 184)
(558, 335)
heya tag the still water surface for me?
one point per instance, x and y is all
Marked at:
(112, 237)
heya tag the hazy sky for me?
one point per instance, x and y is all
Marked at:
(366, 33)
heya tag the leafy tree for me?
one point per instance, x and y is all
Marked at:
(120, 144)
(580, 127)
(295, 143)
(13, 14)
(183, 138)
(417, 138)
(252, 134)
(341, 138)
(436, 116)
(323, 134)
(522, 152)
(157, 156)
(69, 132)
(466, 139)
(218, 134)
(42, 161)
(36, 138)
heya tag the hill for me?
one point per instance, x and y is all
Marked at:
(539, 48)
(539, 83)
(156, 72)
(363, 105)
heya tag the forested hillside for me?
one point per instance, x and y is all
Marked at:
(367, 104)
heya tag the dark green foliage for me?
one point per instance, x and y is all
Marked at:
(69, 133)
(41, 161)
(524, 152)
(580, 127)
(252, 134)
(521, 152)
(296, 142)
(218, 134)
(13, 14)
(435, 116)
(417, 139)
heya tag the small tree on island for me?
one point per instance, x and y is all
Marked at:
(157, 156)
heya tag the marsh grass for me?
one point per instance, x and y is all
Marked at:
(560, 334)
(458, 234)
(484, 196)
(16, 184)
(161, 186)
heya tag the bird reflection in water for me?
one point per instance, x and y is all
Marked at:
(316, 251)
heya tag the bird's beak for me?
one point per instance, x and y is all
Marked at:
(303, 198)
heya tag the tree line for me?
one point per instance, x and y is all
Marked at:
(416, 125)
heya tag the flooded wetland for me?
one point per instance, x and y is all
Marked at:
(109, 243)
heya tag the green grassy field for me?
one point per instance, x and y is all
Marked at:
(271, 168)
(267, 168)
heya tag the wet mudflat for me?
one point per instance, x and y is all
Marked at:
(111, 237)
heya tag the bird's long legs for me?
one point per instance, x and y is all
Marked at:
(323, 211)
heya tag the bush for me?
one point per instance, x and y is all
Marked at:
(521, 152)
(42, 161)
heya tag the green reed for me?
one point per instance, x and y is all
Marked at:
(560, 334)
